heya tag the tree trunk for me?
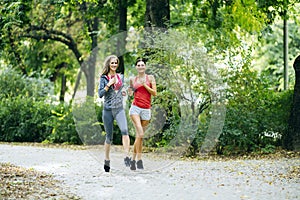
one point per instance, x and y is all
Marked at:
(13, 50)
(89, 66)
(90, 76)
(291, 140)
(63, 88)
(157, 13)
(122, 39)
(157, 16)
(285, 50)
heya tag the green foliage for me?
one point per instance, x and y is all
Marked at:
(136, 12)
(168, 103)
(23, 120)
(256, 115)
(269, 56)
(24, 110)
(62, 126)
(15, 85)
(246, 15)
(28, 115)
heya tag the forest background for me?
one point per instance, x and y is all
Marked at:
(224, 71)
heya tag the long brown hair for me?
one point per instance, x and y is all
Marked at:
(106, 64)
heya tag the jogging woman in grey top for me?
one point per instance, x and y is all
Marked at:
(110, 86)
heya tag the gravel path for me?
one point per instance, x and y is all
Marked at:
(81, 172)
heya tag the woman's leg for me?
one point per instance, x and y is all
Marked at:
(126, 144)
(108, 126)
(122, 123)
(107, 151)
(138, 143)
(144, 124)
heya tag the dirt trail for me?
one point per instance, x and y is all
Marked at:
(81, 172)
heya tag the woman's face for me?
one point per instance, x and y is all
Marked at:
(140, 66)
(113, 64)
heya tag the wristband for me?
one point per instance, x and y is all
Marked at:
(107, 86)
(132, 88)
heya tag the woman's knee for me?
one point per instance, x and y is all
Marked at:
(145, 123)
(108, 140)
(124, 132)
(140, 135)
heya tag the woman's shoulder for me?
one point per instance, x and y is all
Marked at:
(120, 75)
(151, 77)
(103, 76)
(132, 78)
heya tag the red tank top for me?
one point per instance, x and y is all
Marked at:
(142, 98)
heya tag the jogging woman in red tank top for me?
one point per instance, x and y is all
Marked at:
(143, 86)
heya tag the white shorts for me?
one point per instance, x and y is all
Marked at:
(145, 114)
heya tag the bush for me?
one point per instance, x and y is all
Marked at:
(23, 109)
(14, 85)
(27, 113)
(256, 116)
(165, 106)
(23, 120)
(62, 126)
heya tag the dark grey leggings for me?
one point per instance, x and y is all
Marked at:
(108, 117)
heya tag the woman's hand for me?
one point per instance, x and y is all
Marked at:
(130, 91)
(124, 93)
(112, 81)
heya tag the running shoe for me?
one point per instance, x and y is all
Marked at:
(106, 165)
(127, 161)
(139, 164)
(132, 165)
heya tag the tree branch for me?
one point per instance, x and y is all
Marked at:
(41, 33)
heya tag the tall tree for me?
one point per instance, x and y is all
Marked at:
(72, 24)
(157, 13)
(122, 28)
(92, 23)
(291, 139)
(157, 18)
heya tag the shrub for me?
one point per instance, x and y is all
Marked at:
(23, 120)
(62, 126)
(23, 109)
(165, 107)
(256, 115)
(13, 85)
